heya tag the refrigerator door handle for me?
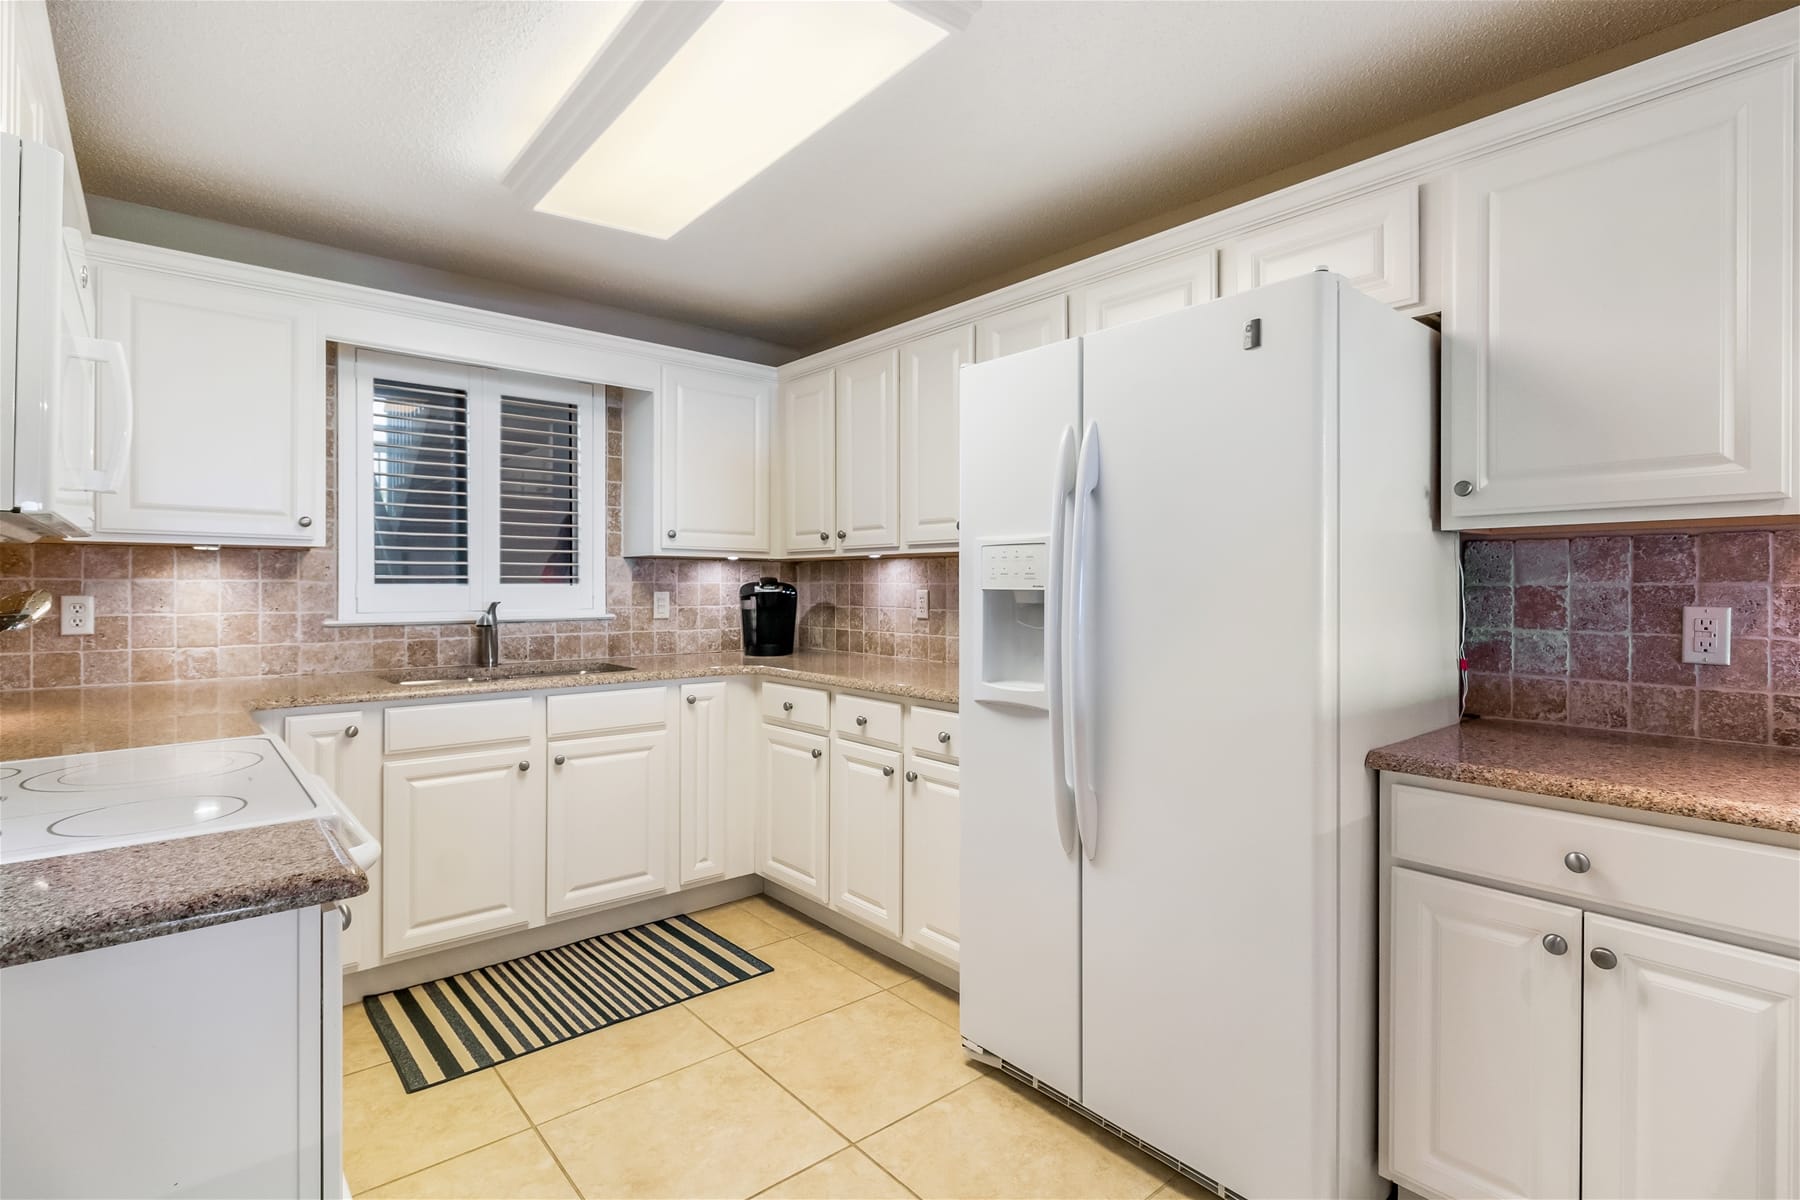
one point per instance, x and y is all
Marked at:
(1054, 688)
(1081, 642)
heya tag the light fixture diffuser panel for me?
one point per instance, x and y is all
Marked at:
(756, 79)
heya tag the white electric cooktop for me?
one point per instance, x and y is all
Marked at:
(76, 802)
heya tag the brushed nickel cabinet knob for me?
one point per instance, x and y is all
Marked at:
(817, 753)
(944, 738)
(306, 522)
(787, 706)
(862, 720)
(912, 777)
(842, 534)
(1463, 487)
(524, 765)
(887, 772)
(824, 536)
(671, 535)
(351, 731)
(559, 760)
(693, 699)
(1556, 943)
(1603, 958)
(1577, 862)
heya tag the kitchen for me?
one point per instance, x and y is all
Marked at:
(546, 671)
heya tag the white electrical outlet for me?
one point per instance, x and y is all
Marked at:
(1706, 635)
(659, 606)
(922, 604)
(78, 614)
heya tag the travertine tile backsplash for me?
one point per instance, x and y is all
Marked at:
(1587, 631)
(164, 613)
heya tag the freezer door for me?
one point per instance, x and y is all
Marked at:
(1203, 737)
(1021, 949)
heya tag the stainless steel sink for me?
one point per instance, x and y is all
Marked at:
(420, 676)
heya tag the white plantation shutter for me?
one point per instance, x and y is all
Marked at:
(465, 485)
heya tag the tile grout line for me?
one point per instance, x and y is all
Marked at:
(538, 1133)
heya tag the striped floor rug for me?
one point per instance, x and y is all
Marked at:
(445, 1029)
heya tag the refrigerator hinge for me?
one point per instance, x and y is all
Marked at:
(979, 1055)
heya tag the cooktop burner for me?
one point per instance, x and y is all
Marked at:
(141, 768)
(147, 816)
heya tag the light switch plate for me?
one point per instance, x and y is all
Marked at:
(78, 614)
(922, 604)
(1706, 635)
(659, 606)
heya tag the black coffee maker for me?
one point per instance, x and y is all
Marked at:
(768, 607)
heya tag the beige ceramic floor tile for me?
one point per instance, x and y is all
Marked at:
(388, 1134)
(995, 1139)
(362, 1048)
(735, 925)
(804, 984)
(788, 922)
(519, 1168)
(848, 1173)
(844, 952)
(867, 1064)
(594, 1066)
(1180, 1187)
(720, 1128)
(940, 1002)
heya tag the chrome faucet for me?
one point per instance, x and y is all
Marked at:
(487, 636)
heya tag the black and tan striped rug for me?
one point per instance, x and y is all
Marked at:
(445, 1029)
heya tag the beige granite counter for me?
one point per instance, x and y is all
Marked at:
(1738, 784)
(36, 724)
(74, 902)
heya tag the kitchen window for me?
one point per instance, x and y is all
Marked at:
(462, 485)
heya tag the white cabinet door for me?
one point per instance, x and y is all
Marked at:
(463, 846)
(1690, 1067)
(931, 895)
(793, 839)
(345, 751)
(608, 802)
(930, 371)
(1618, 342)
(715, 462)
(228, 430)
(705, 782)
(1482, 1041)
(1147, 291)
(865, 834)
(1023, 328)
(868, 453)
(1373, 241)
(809, 464)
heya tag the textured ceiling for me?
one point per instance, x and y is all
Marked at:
(384, 128)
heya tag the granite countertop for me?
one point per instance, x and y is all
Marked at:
(36, 724)
(55, 906)
(1754, 786)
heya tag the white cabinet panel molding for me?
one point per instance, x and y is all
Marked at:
(609, 801)
(808, 433)
(344, 749)
(930, 416)
(705, 782)
(865, 835)
(696, 464)
(793, 835)
(1149, 290)
(1620, 333)
(931, 889)
(1023, 328)
(868, 453)
(1373, 241)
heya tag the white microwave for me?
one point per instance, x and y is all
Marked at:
(51, 463)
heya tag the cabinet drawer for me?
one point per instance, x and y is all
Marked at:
(807, 707)
(1740, 887)
(453, 726)
(934, 732)
(612, 711)
(868, 720)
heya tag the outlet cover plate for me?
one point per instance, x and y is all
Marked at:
(1706, 635)
(659, 606)
(78, 615)
(922, 604)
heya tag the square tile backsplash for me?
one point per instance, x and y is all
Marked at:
(166, 613)
(1587, 631)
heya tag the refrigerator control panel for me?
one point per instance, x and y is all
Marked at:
(1014, 566)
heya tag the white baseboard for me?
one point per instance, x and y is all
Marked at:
(856, 931)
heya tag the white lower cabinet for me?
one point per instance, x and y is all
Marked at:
(865, 834)
(704, 784)
(1536, 1049)
(463, 846)
(1486, 1074)
(1690, 1066)
(606, 832)
(931, 894)
(793, 839)
(334, 747)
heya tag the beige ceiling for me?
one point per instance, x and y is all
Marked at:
(384, 127)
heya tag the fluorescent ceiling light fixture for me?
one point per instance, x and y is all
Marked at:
(740, 84)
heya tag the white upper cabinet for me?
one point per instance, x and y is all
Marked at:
(228, 441)
(712, 494)
(1025, 327)
(1619, 342)
(1149, 290)
(705, 782)
(1691, 1057)
(868, 453)
(809, 464)
(930, 373)
(1373, 241)
(607, 808)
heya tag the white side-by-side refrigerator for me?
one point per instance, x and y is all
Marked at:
(1200, 580)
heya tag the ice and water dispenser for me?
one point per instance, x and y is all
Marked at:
(1013, 576)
